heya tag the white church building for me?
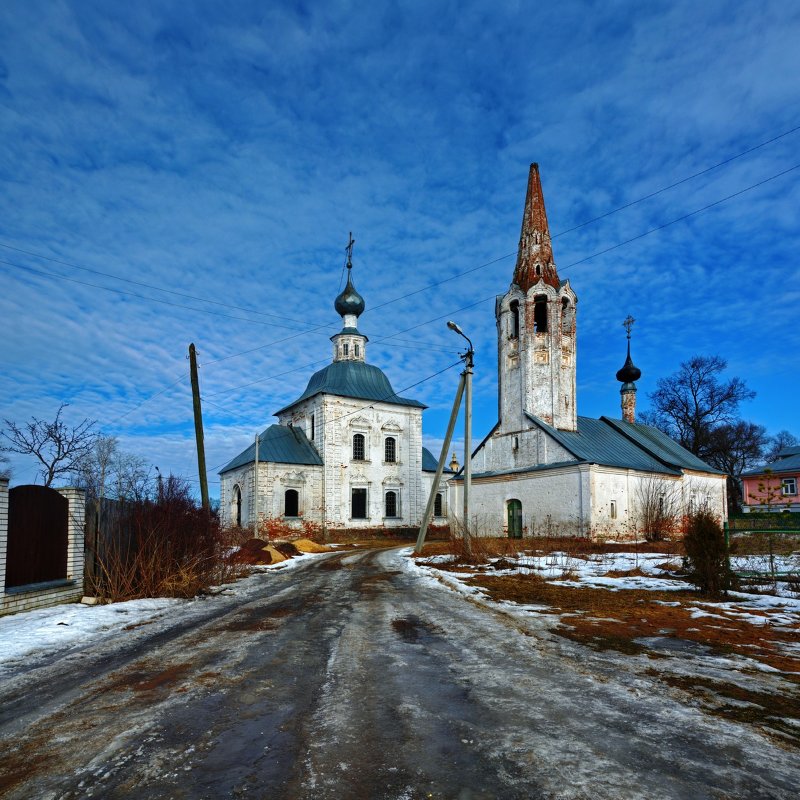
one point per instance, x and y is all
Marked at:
(543, 469)
(347, 453)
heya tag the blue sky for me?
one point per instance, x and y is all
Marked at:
(224, 151)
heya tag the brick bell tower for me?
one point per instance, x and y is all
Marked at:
(536, 329)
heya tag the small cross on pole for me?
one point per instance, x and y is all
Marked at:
(628, 324)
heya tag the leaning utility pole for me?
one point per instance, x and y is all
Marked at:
(198, 427)
(464, 388)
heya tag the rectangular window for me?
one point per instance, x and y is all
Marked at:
(359, 503)
(357, 350)
(312, 427)
(613, 509)
(789, 486)
(390, 450)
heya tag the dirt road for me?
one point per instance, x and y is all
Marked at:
(350, 677)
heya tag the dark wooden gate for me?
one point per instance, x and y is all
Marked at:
(38, 530)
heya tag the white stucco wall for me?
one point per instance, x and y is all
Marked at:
(336, 421)
(577, 500)
(554, 502)
(516, 449)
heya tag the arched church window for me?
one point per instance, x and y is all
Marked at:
(390, 450)
(540, 313)
(437, 505)
(346, 349)
(291, 503)
(514, 308)
(566, 316)
(312, 425)
(236, 506)
(391, 504)
(538, 271)
(358, 447)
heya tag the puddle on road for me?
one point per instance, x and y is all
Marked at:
(411, 629)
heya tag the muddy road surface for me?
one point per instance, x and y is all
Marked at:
(352, 677)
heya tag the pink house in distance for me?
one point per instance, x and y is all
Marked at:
(774, 486)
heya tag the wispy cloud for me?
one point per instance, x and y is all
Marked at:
(226, 152)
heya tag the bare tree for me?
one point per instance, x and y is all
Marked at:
(782, 440)
(5, 466)
(657, 507)
(57, 447)
(133, 477)
(689, 404)
(107, 471)
(733, 448)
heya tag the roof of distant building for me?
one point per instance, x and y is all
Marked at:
(430, 463)
(783, 463)
(280, 444)
(355, 379)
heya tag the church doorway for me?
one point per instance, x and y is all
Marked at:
(359, 504)
(291, 503)
(514, 519)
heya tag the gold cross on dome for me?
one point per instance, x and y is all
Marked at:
(628, 324)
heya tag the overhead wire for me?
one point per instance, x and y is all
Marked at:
(427, 287)
(575, 263)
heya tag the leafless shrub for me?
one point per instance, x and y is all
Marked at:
(167, 547)
(657, 508)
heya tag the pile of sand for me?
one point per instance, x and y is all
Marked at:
(257, 551)
(307, 546)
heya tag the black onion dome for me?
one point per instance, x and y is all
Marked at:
(629, 372)
(349, 301)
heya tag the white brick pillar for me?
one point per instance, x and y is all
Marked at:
(3, 533)
(75, 539)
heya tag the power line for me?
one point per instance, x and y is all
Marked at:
(145, 285)
(388, 398)
(684, 217)
(141, 296)
(251, 310)
(623, 207)
(575, 263)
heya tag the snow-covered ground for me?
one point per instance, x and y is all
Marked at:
(608, 571)
(46, 630)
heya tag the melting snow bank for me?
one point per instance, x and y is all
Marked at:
(46, 630)
(611, 571)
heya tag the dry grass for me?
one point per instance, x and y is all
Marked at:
(605, 619)
(487, 547)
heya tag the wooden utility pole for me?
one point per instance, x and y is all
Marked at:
(198, 428)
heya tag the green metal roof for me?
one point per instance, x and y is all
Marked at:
(660, 445)
(280, 444)
(353, 379)
(430, 463)
(598, 442)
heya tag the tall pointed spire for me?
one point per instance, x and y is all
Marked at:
(535, 254)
